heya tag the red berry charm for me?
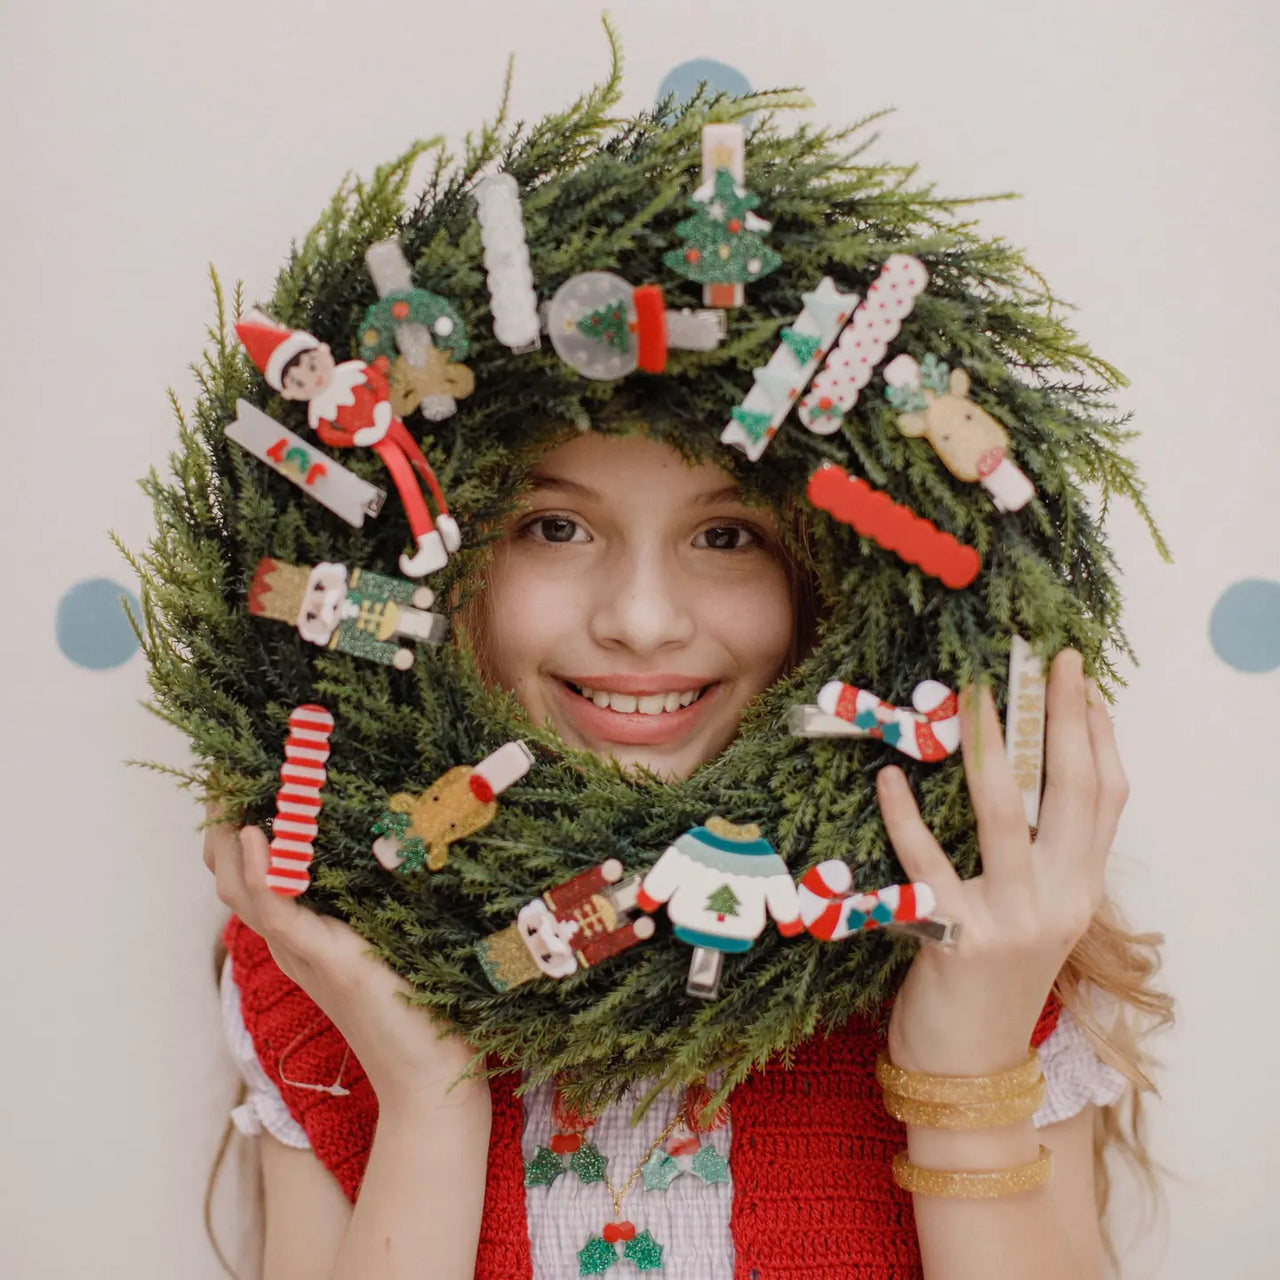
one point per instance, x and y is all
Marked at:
(616, 1232)
(565, 1144)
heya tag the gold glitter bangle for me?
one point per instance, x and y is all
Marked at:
(966, 1090)
(962, 1184)
(965, 1115)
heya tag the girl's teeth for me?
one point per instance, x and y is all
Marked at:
(650, 705)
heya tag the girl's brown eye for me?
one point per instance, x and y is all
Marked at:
(725, 537)
(557, 529)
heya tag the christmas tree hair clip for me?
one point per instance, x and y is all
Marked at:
(315, 473)
(349, 405)
(862, 345)
(603, 328)
(832, 911)
(719, 882)
(575, 925)
(928, 730)
(873, 514)
(366, 614)
(724, 240)
(416, 830)
(779, 384)
(295, 826)
(509, 274)
(933, 401)
(421, 332)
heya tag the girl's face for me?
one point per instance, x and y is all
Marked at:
(637, 603)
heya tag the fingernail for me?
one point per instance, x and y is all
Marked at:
(1091, 691)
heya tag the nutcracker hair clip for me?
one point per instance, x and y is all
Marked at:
(719, 881)
(604, 328)
(831, 910)
(934, 402)
(354, 611)
(575, 925)
(928, 730)
(417, 830)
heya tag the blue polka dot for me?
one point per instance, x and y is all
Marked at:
(683, 80)
(1245, 626)
(91, 627)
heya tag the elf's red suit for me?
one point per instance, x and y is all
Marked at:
(355, 409)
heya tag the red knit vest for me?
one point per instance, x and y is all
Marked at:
(810, 1151)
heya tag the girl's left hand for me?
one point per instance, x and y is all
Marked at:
(970, 1009)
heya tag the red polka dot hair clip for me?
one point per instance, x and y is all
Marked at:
(294, 829)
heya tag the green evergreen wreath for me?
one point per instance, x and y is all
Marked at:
(605, 194)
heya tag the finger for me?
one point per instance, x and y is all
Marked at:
(1113, 785)
(921, 856)
(223, 851)
(282, 920)
(1003, 836)
(1071, 784)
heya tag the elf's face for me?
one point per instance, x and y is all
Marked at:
(309, 374)
(637, 603)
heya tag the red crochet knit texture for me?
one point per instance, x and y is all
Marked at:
(810, 1156)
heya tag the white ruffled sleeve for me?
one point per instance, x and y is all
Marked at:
(1074, 1075)
(263, 1107)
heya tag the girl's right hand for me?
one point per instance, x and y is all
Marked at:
(409, 1056)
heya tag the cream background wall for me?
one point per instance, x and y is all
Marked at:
(142, 140)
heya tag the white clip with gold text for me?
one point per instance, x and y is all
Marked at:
(1024, 725)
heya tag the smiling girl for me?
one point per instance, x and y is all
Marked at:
(638, 605)
(642, 607)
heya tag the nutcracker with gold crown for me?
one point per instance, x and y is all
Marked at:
(575, 925)
(353, 611)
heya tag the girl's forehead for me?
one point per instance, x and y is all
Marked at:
(608, 465)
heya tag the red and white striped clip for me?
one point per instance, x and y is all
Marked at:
(294, 828)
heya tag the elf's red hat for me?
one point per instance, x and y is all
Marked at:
(271, 346)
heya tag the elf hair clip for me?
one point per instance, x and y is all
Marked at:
(575, 925)
(831, 910)
(352, 611)
(417, 830)
(349, 405)
(928, 730)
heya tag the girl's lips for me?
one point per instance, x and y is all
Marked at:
(634, 729)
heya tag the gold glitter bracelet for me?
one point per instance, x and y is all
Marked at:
(962, 1184)
(965, 1115)
(966, 1090)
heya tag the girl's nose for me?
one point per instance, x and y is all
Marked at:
(642, 603)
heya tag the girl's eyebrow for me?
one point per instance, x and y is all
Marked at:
(543, 480)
